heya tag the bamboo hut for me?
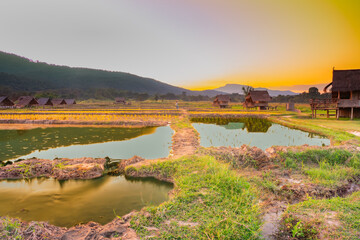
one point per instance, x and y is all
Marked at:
(257, 99)
(26, 101)
(45, 102)
(58, 101)
(222, 101)
(5, 102)
(346, 92)
(70, 101)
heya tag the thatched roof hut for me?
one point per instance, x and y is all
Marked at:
(258, 99)
(45, 102)
(5, 102)
(346, 80)
(26, 101)
(70, 101)
(58, 101)
(346, 92)
(222, 101)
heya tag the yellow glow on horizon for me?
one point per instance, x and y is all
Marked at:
(304, 49)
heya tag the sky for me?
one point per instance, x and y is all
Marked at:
(196, 44)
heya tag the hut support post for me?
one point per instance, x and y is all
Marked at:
(312, 113)
(327, 113)
(352, 113)
(337, 113)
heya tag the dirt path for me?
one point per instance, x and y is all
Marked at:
(185, 141)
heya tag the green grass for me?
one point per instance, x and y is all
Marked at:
(10, 229)
(336, 218)
(336, 130)
(332, 156)
(210, 202)
(329, 168)
(331, 175)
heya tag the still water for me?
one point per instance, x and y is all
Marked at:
(66, 203)
(254, 132)
(76, 142)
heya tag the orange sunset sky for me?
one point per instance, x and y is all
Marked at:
(196, 44)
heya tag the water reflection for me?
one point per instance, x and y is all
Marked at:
(85, 142)
(262, 134)
(66, 203)
(251, 124)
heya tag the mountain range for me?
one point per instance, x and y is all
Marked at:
(19, 74)
(237, 88)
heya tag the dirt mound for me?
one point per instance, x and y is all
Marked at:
(61, 169)
(116, 229)
(244, 156)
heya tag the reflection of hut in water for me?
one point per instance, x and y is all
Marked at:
(26, 101)
(45, 102)
(5, 102)
(257, 125)
(221, 101)
(257, 99)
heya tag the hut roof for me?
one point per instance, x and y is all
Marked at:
(223, 98)
(259, 96)
(346, 80)
(58, 101)
(44, 101)
(70, 101)
(5, 101)
(24, 101)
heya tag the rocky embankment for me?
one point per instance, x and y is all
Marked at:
(116, 230)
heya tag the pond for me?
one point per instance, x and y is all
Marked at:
(66, 203)
(253, 132)
(76, 142)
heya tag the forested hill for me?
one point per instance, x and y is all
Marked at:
(21, 74)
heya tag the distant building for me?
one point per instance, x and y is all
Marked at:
(345, 92)
(120, 100)
(70, 101)
(26, 101)
(290, 107)
(222, 101)
(257, 99)
(58, 101)
(45, 102)
(5, 102)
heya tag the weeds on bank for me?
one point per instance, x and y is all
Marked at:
(329, 168)
(336, 218)
(9, 229)
(210, 202)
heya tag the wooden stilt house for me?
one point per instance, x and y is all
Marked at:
(222, 101)
(346, 92)
(257, 99)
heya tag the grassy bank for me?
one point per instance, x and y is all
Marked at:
(324, 127)
(336, 218)
(210, 202)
